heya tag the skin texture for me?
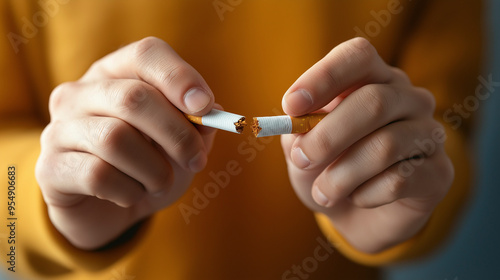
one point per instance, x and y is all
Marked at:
(119, 149)
(349, 166)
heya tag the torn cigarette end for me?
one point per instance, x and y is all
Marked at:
(255, 127)
(220, 120)
(277, 125)
(261, 126)
(240, 125)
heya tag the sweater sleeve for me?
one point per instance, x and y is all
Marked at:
(442, 54)
(36, 248)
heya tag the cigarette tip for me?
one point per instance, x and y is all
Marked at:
(240, 125)
(256, 127)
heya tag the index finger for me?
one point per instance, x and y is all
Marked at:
(347, 67)
(156, 63)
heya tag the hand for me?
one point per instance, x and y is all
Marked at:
(353, 165)
(118, 147)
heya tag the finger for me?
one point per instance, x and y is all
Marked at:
(399, 76)
(156, 63)
(348, 66)
(413, 178)
(364, 111)
(140, 105)
(373, 154)
(118, 144)
(66, 176)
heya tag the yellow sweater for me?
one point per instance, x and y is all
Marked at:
(249, 52)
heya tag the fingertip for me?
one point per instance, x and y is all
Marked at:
(135, 199)
(198, 101)
(299, 158)
(320, 198)
(297, 103)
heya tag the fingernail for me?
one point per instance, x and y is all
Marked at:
(198, 162)
(320, 198)
(299, 158)
(299, 101)
(196, 99)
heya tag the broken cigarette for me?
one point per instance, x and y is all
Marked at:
(220, 120)
(261, 126)
(277, 125)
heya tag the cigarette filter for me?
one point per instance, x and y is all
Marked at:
(277, 125)
(220, 120)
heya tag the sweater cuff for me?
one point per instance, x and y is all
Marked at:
(434, 234)
(390, 255)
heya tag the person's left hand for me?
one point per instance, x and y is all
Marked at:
(375, 165)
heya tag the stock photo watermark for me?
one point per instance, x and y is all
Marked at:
(248, 149)
(310, 264)
(425, 146)
(121, 274)
(31, 26)
(223, 6)
(11, 221)
(456, 115)
(381, 19)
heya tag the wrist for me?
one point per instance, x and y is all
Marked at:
(91, 224)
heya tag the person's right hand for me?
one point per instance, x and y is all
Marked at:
(118, 147)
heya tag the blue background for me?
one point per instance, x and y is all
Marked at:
(473, 252)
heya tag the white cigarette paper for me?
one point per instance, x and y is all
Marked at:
(220, 120)
(270, 126)
(261, 126)
(277, 125)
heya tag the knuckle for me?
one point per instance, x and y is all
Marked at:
(322, 141)
(395, 186)
(96, 173)
(428, 100)
(400, 74)
(133, 98)
(57, 98)
(446, 170)
(163, 179)
(144, 46)
(328, 74)
(50, 169)
(375, 102)
(94, 66)
(184, 141)
(174, 72)
(363, 51)
(48, 134)
(333, 189)
(43, 170)
(436, 125)
(437, 133)
(67, 166)
(383, 147)
(108, 134)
